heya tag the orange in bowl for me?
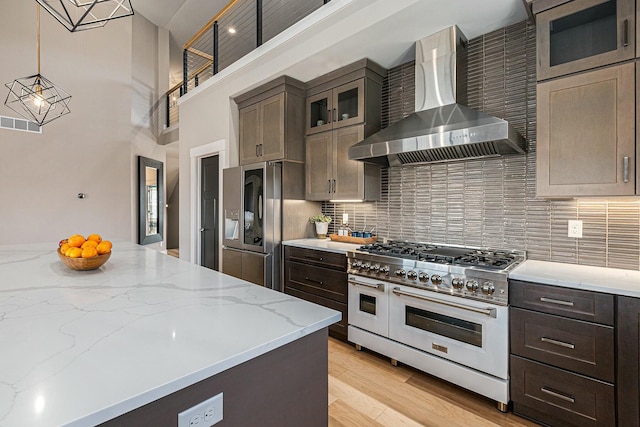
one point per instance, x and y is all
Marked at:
(76, 240)
(104, 247)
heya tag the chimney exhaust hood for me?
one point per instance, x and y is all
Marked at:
(442, 128)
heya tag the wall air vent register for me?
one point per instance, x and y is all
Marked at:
(19, 124)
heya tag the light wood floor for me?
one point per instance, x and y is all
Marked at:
(366, 390)
(174, 252)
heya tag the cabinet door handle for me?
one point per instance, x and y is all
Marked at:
(558, 343)
(625, 162)
(556, 301)
(329, 187)
(329, 115)
(334, 185)
(565, 397)
(257, 150)
(320, 282)
(335, 116)
(625, 33)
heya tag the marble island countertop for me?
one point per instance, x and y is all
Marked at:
(80, 348)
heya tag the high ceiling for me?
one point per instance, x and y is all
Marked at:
(183, 18)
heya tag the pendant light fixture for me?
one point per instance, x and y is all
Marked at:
(35, 97)
(78, 15)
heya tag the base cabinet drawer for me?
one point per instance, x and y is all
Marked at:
(558, 397)
(336, 261)
(574, 303)
(318, 281)
(575, 345)
(338, 329)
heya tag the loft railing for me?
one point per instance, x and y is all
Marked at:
(240, 27)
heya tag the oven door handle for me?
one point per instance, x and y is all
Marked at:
(378, 286)
(491, 312)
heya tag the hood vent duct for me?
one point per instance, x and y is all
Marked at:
(442, 128)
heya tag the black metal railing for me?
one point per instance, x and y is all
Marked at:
(240, 27)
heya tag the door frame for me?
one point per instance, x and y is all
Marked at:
(216, 148)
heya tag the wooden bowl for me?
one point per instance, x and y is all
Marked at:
(83, 264)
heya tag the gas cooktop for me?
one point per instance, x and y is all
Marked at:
(449, 255)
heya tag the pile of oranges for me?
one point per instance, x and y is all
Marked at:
(76, 246)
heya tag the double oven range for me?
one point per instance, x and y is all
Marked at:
(439, 308)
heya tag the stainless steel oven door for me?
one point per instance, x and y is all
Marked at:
(472, 333)
(369, 305)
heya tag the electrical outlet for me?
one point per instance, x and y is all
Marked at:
(204, 414)
(575, 229)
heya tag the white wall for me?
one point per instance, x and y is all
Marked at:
(92, 149)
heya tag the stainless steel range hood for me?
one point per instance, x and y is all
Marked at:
(442, 128)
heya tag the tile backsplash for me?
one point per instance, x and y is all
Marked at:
(492, 202)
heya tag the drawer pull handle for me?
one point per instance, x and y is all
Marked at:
(556, 301)
(313, 258)
(320, 282)
(559, 395)
(558, 343)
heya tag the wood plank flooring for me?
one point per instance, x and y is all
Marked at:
(366, 390)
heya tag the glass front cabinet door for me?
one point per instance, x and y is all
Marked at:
(335, 108)
(584, 34)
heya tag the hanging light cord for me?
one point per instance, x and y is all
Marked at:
(38, 44)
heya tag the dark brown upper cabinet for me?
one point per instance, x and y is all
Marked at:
(584, 34)
(271, 122)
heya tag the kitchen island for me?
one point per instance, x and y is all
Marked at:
(147, 336)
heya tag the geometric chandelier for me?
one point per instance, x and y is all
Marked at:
(77, 15)
(35, 97)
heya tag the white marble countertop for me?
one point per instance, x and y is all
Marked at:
(323, 244)
(79, 348)
(600, 279)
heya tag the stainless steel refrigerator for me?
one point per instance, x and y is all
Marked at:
(263, 205)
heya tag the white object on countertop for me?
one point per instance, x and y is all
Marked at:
(600, 279)
(142, 306)
(323, 245)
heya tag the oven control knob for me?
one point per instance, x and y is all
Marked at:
(412, 275)
(400, 272)
(472, 285)
(488, 288)
(367, 267)
(457, 283)
(436, 279)
(356, 264)
(423, 277)
(375, 268)
(385, 270)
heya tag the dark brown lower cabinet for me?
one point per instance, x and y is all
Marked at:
(628, 381)
(559, 397)
(563, 352)
(319, 277)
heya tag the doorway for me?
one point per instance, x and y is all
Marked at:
(209, 202)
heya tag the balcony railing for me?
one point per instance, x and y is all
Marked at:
(240, 27)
